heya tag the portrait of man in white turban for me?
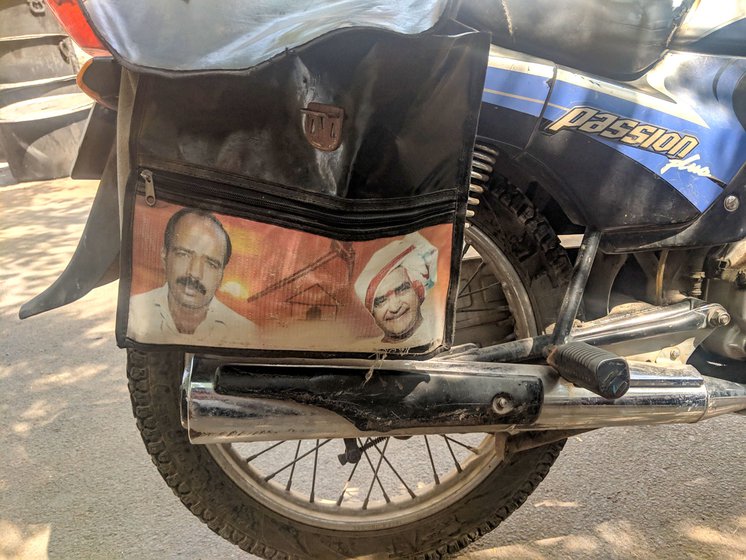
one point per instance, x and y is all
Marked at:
(394, 284)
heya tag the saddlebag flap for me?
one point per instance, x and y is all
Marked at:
(315, 204)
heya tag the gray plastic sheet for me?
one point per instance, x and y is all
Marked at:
(202, 35)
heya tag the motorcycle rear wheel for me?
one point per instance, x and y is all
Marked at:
(514, 294)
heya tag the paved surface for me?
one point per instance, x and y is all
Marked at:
(76, 482)
(6, 178)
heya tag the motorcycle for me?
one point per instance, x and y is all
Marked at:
(377, 265)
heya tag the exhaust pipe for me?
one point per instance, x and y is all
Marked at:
(224, 403)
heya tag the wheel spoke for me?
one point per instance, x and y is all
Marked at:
(315, 465)
(462, 444)
(294, 461)
(409, 490)
(472, 277)
(262, 452)
(484, 289)
(432, 461)
(450, 449)
(292, 471)
(375, 477)
(347, 484)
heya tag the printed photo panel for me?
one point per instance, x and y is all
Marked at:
(211, 280)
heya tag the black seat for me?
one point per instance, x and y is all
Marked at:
(619, 39)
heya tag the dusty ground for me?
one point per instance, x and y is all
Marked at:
(76, 483)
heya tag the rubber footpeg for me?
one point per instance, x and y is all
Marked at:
(595, 369)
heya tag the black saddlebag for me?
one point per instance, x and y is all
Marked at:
(313, 205)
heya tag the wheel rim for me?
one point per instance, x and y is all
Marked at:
(396, 481)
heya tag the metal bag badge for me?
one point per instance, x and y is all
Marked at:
(322, 125)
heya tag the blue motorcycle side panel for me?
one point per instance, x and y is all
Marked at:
(653, 154)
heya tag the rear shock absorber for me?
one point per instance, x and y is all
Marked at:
(482, 164)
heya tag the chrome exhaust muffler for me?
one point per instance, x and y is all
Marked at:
(224, 403)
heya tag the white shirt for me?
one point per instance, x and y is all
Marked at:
(150, 322)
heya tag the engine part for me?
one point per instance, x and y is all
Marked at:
(727, 285)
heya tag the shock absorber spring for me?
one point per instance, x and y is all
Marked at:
(482, 164)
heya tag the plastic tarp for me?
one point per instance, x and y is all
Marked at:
(202, 35)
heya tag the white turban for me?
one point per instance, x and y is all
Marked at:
(413, 253)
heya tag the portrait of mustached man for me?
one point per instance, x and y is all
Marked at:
(196, 250)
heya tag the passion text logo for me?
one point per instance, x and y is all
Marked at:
(672, 144)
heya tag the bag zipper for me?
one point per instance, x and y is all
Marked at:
(147, 177)
(234, 200)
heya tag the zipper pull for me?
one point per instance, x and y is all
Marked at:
(147, 176)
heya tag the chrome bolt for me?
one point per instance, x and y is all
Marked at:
(675, 353)
(502, 405)
(731, 203)
(719, 319)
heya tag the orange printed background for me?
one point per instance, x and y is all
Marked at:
(283, 279)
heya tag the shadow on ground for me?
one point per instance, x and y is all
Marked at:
(647, 493)
(75, 479)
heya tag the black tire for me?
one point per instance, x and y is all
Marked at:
(530, 244)
(204, 488)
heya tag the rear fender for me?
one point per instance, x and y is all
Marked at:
(96, 145)
(96, 259)
(99, 79)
